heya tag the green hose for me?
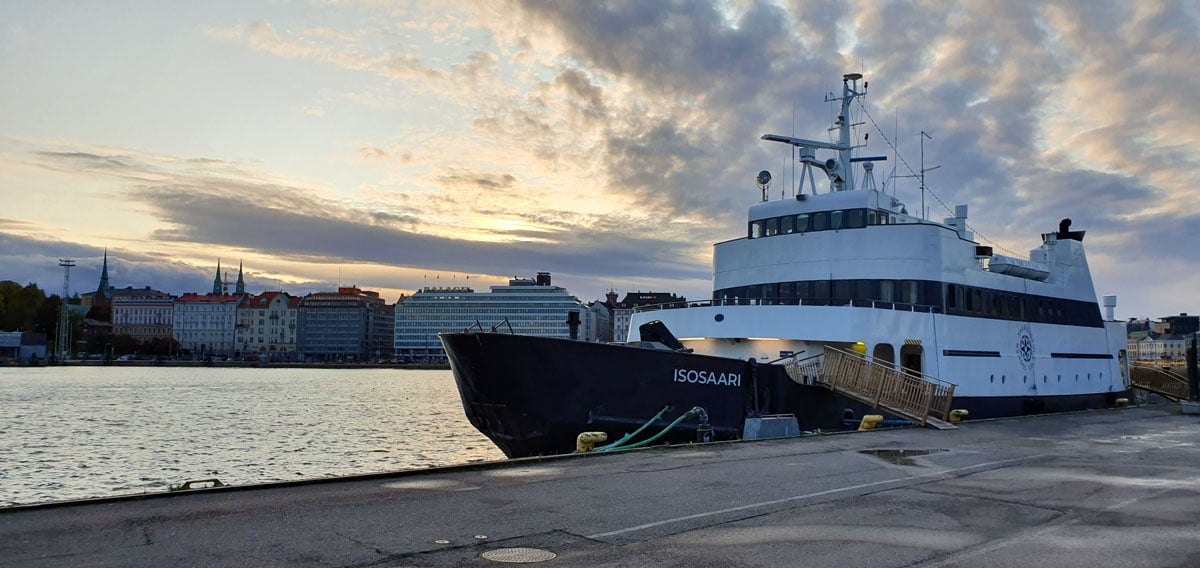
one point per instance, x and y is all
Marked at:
(627, 437)
(616, 445)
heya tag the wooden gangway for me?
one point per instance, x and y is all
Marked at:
(923, 399)
(1149, 377)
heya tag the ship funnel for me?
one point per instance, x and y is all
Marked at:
(1110, 304)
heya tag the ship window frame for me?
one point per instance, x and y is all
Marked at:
(820, 220)
(787, 292)
(909, 292)
(865, 289)
(820, 290)
(841, 290)
(837, 220)
(887, 292)
(756, 229)
(771, 227)
(787, 225)
(951, 297)
(872, 217)
(804, 290)
(802, 222)
(855, 218)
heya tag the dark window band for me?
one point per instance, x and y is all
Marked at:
(1082, 355)
(919, 295)
(969, 353)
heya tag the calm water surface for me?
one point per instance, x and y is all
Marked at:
(79, 432)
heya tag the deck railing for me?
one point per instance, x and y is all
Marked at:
(1157, 380)
(899, 391)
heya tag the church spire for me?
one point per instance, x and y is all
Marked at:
(217, 280)
(241, 283)
(104, 289)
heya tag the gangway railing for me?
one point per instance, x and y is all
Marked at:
(921, 398)
(1157, 380)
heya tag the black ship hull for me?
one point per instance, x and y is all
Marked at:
(533, 395)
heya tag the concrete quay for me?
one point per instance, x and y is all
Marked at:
(1104, 488)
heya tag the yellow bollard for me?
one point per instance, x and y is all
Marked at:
(869, 422)
(586, 441)
(958, 415)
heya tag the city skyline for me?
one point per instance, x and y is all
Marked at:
(379, 145)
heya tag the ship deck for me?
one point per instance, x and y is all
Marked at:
(1099, 488)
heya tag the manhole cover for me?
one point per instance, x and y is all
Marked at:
(518, 555)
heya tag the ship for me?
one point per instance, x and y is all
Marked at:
(833, 267)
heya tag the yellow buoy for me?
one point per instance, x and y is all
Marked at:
(586, 441)
(958, 415)
(869, 422)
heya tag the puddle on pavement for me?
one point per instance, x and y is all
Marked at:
(900, 457)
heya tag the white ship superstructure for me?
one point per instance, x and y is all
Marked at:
(850, 267)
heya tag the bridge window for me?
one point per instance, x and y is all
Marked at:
(835, 219)
(801, 222)
(787, 225)
(756, 229)
(772, 227)
(872, 217)
(951, 299)
(854, 219)
(820, 221)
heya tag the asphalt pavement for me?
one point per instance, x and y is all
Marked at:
(1102, 488)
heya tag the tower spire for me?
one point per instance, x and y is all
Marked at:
(104, 288)
(241, 283)
(217, 279)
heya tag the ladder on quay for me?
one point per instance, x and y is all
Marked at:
(923, 399)
(1149, 377)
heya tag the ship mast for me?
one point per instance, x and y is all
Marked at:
(841, 175)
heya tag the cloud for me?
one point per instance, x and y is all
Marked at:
(372, 153)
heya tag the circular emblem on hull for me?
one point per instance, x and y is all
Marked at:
(1025, 348)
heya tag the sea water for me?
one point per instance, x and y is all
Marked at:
(82, 432)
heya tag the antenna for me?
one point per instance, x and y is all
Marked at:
(921, 175)
(63, 343)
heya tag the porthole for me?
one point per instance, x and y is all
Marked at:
(1044, 381)
(1025, 379)
(1002, 379)
(719, 317)
(1077, 377)
(1060, 378)
(992, 378)
(1089, 376)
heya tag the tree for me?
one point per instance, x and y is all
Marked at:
(19, 306)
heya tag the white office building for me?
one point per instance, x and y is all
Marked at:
(524, 307)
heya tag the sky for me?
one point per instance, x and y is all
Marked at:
(395, 145)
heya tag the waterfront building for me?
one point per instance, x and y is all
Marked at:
(266, 326)
(22, 346)
(624, 310)
(348, 325)
(525, 307)
(206, 325)
(597, 322)
(1166, 340)
(144, 314)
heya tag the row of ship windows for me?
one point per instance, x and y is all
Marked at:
(820, 221)
(938, 297)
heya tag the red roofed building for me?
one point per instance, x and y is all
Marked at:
(266, 327)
